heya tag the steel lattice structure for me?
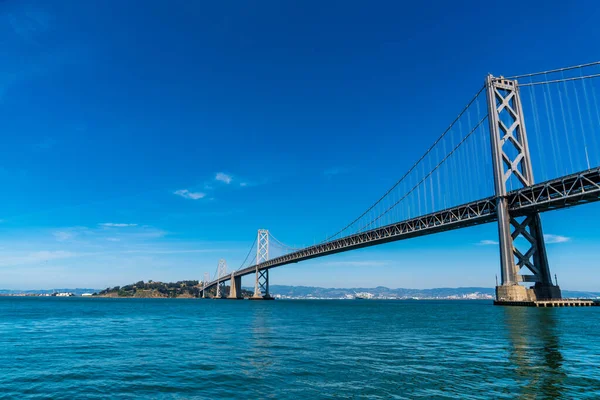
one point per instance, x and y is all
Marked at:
(205, 283)
(261, 284)
(511, 159)
(221, 273)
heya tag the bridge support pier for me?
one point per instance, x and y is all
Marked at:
(261, 286)
(512, 293)
(521, 238)
(235, 288)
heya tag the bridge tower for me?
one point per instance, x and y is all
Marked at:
(204, 283)
(261, 284)
(221, 272)
(520, 237)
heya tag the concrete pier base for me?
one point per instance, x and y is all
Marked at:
(518, 293)
(547, 292)
(235, 290)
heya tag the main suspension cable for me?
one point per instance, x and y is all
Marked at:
(429, 174)
(283, 244)
(248, 255)
(575, 78)
(411, 168)
(555, 70)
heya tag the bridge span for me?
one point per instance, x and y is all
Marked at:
(515, 204)
(568, 191)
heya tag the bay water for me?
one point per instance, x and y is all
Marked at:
(96, 348)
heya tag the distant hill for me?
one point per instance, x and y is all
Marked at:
(193, 289)
(150, 289)
(77, 291)
(382, 291)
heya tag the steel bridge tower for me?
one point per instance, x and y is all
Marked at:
(205, 283)
(221, 272)
(521, 238)
(261, 284)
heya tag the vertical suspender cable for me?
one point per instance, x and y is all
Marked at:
(552, 139)
(598, 119)
(555, 130)
(439, 185)
(587, 103)
(540, 140)
(566, 130)
(587, 158)
(572, 135)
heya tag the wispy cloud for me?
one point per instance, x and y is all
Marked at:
(214, 185)
(108, 232)
(150, 233)
(50, 255)
(549, 238)
(223, 177)
(253, 183)
(173, 251)
(62, 236)
(186, 194)
(117, 225)
(35, 257)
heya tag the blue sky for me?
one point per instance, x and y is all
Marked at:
(146, 140)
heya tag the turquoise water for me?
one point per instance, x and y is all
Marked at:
(217, 349)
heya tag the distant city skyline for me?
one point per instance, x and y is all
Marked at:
(155, 147)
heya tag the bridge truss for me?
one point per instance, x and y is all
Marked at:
(575, 189)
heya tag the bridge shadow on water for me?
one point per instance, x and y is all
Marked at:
(535, 351)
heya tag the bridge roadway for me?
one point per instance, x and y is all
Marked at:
(567, 191)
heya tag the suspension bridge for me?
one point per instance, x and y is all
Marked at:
(478, 171)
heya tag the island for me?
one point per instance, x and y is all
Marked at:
(153, 289)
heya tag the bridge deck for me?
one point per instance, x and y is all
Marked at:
(567, 191)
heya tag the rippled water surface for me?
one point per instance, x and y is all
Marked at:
(216, 349)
